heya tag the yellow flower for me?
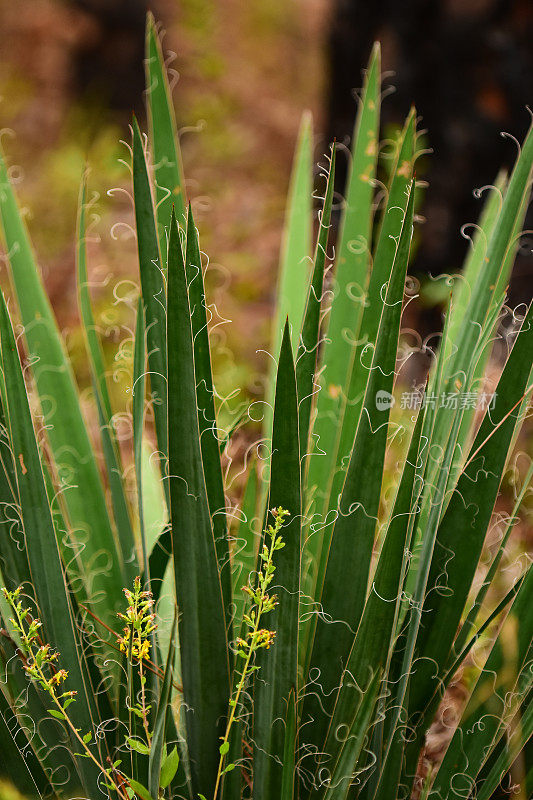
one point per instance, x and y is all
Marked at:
(59, 677)
(144, 649)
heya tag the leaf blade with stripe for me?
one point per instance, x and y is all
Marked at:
(202, 627)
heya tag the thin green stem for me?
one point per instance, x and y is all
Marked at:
(235, 702)
(143, 704)
(136, 642)
(254, 639)
(45, 681)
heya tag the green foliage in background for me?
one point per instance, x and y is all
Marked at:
(177, 689)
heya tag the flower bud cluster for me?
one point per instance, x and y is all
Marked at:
(139, 619)
(261, 601)
(39, 660)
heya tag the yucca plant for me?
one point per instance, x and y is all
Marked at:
(313, 631)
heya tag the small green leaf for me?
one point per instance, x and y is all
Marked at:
(223, 749)
(169, 768)
(138, 746)
(141, 790)
(57, 714)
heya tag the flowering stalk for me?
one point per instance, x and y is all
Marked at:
(256, 638)
(40, 666)
(135, 640)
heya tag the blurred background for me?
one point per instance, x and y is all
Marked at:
(71, 73)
